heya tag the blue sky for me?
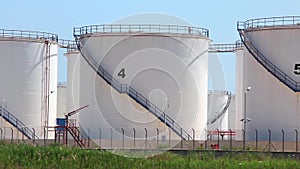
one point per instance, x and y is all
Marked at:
(219, 17)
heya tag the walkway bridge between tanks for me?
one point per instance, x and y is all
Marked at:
(259, 57)
(14, 121)
(220, 114)
(70, 45)
(135, 95)
(225, 47)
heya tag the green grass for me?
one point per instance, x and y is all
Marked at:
(27, 156)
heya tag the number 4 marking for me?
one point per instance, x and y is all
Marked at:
(297, 69)
(122, 73)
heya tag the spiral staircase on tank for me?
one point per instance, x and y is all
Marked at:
(132, 93)
(259, 56)
(220, 114)
(14, 121)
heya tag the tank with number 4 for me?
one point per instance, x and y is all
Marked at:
(142, 81)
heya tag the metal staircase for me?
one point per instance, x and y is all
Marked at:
(223, 110)
(75, 133)
(266, 63)
(30, 134)
(135, 95)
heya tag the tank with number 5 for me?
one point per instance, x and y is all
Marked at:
(271, 66)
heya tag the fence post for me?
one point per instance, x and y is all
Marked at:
(123, 133)
(193, 139)
(44, 136)
(146, 135)
(111, 137)
(244, 141)
(133, 137)
(169, 137)
(12, 135)
(218, 137)
(181, 138)
(270, 137)
(230, 141)
(33, 135)
(205, 143)
(296, 140)
(1, 133)
(157, 137)
(282, 140)
(256, 139)
(89, 139)
(100, 138)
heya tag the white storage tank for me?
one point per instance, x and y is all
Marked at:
(217, 113)
(270, 66)
(61, 99)
(158, 65)
(28, 70)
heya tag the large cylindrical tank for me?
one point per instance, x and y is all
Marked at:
(73, 80)
(273, 101)
(165, 64)
(28, 65)
(217, 113)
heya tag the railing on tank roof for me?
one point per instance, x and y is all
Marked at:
(132, 28)
(28, 34)
(269, 22)
(230, 47)
(70, 45)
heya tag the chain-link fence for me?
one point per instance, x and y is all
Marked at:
(284, 140)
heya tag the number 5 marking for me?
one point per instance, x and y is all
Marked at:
(297, 69)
